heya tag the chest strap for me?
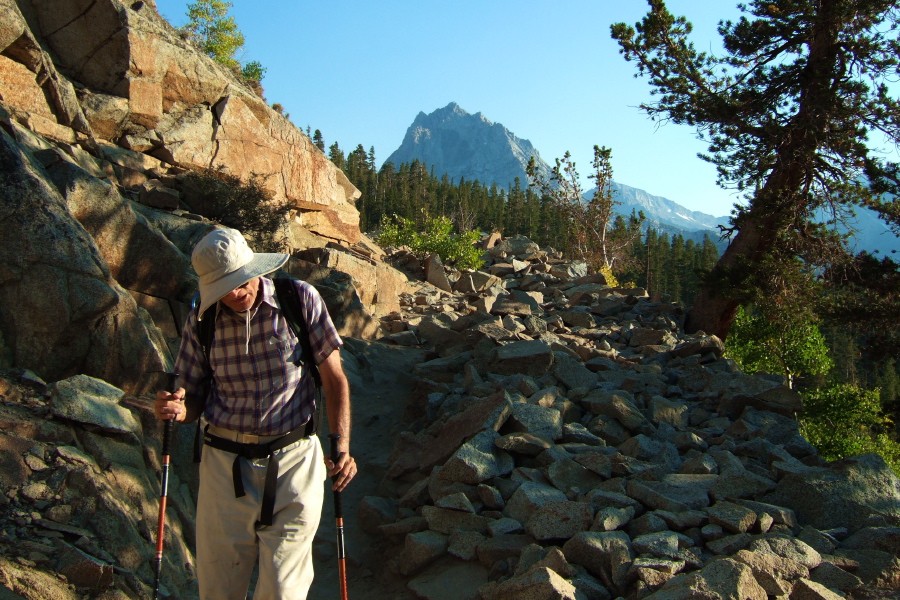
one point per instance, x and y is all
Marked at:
(256, 451)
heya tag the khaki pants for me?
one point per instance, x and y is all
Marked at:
(229, 542)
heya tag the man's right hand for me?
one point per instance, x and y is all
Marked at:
(170, 406)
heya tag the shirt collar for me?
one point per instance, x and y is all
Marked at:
(267, 290)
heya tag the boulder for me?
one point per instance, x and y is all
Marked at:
(787, 547)
(77, 318)
(559, 520)
(528, 498)
(844, 494)
(88, 400)
(490, 412)
(377, 284)
(607, 556)
(540, 583)
(419, 550)
(527, 357)
(540, 421)
(435, 274)
(478, 460)
(719, 579)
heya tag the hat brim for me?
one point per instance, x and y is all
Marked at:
(262, 264)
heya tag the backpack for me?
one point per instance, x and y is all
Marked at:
(292, 308)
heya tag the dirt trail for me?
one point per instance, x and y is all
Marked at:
(380, 386)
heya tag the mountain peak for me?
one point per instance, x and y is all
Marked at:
(464, 145)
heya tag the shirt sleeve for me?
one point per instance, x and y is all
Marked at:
(323, 335)
(191, 365)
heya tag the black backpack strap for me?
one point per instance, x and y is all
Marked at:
(292, 307)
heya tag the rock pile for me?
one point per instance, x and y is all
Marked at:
(79, 474)
(567, 440)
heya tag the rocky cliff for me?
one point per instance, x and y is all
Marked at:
(104, 109)
(467, 146)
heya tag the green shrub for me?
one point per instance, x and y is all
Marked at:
(436, 237)
(774, 339)
(253, 71)
(243, 205)
(846, 420)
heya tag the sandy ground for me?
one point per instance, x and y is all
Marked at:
(380, 386)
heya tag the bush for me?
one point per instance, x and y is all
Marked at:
(253, 71)
(436, 237)
(243, 205)
(611, 280)
(775, 339)
(846, 420)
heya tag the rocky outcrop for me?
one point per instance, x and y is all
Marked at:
(568, 440)
(62, 311)
(80, 482)
(468, 146)
(104, 110)
(118, 72)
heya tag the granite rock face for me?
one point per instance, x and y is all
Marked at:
(143, 87)
(106, 113)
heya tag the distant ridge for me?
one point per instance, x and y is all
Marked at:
(461, 145)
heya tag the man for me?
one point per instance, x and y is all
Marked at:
(262, 472)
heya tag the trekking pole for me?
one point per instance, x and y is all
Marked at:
(339, 521)
(171, 382)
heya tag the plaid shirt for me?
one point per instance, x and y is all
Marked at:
(262, 392)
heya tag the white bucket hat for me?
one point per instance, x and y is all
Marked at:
(224, 261)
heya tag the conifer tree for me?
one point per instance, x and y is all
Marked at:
(788, 113)
(317, 139)
(217, 35)
(336, 155)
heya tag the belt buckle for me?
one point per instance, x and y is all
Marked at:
(249, 438)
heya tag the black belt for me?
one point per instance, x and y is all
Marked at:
(266, 450)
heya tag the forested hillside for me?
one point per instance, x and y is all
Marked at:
(411, 191)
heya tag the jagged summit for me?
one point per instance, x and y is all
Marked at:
(465, 145)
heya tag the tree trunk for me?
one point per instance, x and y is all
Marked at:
(781, 198)
(713, 310)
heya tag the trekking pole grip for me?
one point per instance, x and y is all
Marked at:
(168, 424)
(335, 455)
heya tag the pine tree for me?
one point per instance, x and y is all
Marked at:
(317, 139)
(336, 156)
(787, 113)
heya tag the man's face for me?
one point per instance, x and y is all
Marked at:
(243, 297)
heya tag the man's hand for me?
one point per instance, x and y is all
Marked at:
(170, 406)
(342, 472)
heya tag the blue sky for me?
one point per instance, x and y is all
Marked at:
(360, 71)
